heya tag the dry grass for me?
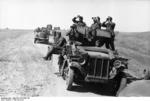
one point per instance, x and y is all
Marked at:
(12, 34)
(136, 47)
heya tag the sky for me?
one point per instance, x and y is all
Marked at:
(129, 15)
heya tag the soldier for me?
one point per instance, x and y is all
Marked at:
(60, 42)
(49, 29)
(80, 22)
(96, 25)
(99, 22)
(71, 33)
(110, 26)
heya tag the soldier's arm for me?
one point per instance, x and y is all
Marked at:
(99, 25)
(59, 43)
(113, 27)
(104, 24)
(74, 20)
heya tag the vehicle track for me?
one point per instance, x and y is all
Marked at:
(23, 72)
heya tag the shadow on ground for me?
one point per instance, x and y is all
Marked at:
(96, 88)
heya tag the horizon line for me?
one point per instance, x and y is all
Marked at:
(68, 29)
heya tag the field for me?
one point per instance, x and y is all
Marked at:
(12, 34)
(136, 47)
(23, 72)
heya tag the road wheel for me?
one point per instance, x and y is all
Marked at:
(35, 40)
(70, 79)
(121, 85)
(64, 70)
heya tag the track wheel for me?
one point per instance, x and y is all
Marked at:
(70, 79)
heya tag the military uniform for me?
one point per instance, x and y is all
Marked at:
(96, 25)
(57, 47)
(110, 28)
(71, 33)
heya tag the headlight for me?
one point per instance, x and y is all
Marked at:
(117, 63)
(82, 61)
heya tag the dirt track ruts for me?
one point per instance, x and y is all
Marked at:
(23, 72)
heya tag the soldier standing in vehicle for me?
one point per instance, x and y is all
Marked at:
(110, 26)
(49, 29)
(60, 42)
(98, 22)
(96, 25)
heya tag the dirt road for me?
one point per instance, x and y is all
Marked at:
(23, 72)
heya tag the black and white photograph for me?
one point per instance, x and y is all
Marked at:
(74, 48)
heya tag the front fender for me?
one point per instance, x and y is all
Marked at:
(116, 74)
(76, 65)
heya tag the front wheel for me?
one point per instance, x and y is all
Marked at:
(70, 79)
(121, 86)
(35, 40)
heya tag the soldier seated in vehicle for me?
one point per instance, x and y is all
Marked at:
(79, 22)
(60, 42)
(109, 25)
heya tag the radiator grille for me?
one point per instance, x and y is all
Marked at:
(99, 68)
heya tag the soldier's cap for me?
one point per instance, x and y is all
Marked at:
(49, 25)
(109, 17)
(94, 18)
(98, 17)
(80, 17)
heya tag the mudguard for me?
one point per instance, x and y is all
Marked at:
(76, 65)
